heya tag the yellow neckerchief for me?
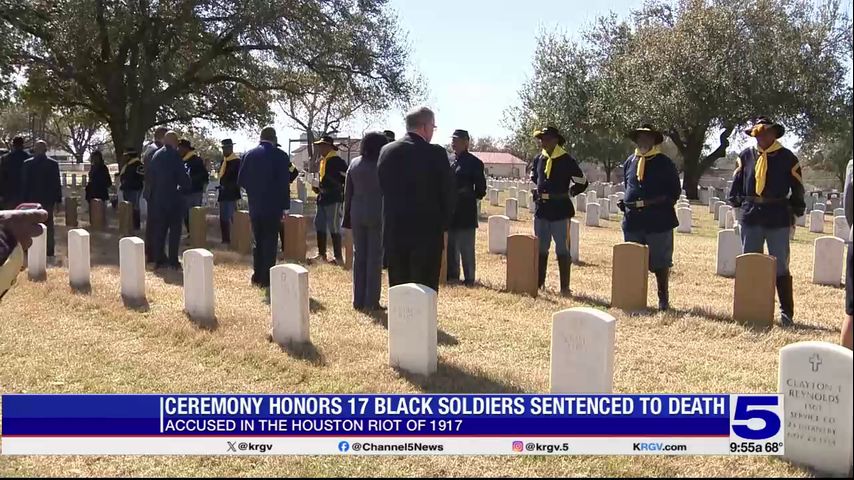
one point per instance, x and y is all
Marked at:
(322, 172)
(761, 168)
(189, 155)
(557, 152)
(225, 161)
(655, 150)
(129, 163)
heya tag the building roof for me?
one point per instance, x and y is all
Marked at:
(499, 158)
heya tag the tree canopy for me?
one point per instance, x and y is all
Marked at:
(145, 63)
(698, 69)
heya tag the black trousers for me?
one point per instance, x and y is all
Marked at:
(266, 233)
(160, 225)
(51, 228)
(420, 263)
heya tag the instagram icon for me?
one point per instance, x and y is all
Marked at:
(518, 446)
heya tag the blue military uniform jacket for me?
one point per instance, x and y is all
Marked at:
(565, 171)
(471, 187)
(660, 184)
(783, 196)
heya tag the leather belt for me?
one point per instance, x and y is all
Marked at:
(553, 196)
(645, 203)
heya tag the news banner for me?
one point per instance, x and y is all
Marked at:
(392, 424)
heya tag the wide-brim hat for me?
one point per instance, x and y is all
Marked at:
(226, 143)
(327, 140)
(550, 131)
(646, 128)
(389, 135)
(762, 123)
(459, 133)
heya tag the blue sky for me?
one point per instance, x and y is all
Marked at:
(474, 54)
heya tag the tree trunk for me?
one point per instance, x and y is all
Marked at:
(692, 170)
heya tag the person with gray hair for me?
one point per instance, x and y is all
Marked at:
(419, 194)
(166, 178)
(40, 185)
(266, 174)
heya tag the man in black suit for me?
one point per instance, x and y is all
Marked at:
(40, 184)
(418, 201)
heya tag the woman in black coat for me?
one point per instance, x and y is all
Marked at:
(99, 179)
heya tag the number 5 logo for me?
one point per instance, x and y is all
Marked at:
(756, 407)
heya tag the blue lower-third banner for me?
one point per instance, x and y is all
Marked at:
(392, 424)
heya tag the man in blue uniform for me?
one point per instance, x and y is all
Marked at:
(165, 178)
(229, 190)
(652, 189)
(471, 187)
(767, 186)
(330, 198)
(132, 180)
(553, 171)
(199, 178)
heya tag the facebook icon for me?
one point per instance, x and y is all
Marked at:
(343, 446)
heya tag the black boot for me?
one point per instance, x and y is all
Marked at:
(787, 300)
(321, 246)
(563, 264)
(336, 249)
(137, 221)
(225, 230)
(541, 270)
(662, 277)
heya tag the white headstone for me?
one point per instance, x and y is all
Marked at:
(817, 221)
(289, 304)
(531, 205)
(838, 212)
(815, 380)
(685, 221)
(511, 208)
(581, 202)
(801, 221)
(132, 269)
(718, 206)
(574, 239)
(78, 258)
(604, 209)
(498, 229)
(297, 207)
(37, 256)
(582, 352)
(828, 260)
(820, 206)
(591, 196)
(592, 219)
(723, 210)
(199, 284)
(841, 230)
(704, 196)
(613, 199)
(302, 191)
(729, 219)
(621, 195)
(608, 191)
(713, 205)
(513, 192)
(729, 248)
(522, 196)
(493, 197)
(412, 328)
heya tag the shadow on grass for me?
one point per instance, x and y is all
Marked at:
(171, 276)
(136, 304)
(82, 289)
(582, 263)
(451, 379)
(314, 306)
(209, 324)
(596, 300)
(306, 352)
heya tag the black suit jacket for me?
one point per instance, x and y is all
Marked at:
(418, 190)
(40, 181)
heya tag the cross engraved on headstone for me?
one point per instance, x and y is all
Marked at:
(815, 361)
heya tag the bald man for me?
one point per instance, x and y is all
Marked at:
(166, 178)
(40, 184)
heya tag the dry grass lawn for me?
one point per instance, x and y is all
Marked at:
(56, 341)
